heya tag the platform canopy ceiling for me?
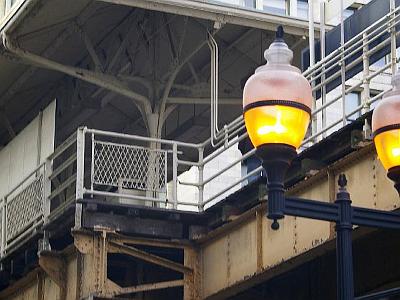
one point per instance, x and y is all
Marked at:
(151, 53)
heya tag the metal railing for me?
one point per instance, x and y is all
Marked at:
(22, 208)
(129, 169)
(355, 53)
(38, 197)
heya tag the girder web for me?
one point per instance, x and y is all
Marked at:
(129, 167)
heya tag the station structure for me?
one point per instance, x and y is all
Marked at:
(126, 171)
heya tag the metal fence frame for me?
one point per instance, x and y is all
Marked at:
(30, 191)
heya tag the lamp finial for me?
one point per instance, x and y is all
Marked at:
(279, 33)
(342, 181)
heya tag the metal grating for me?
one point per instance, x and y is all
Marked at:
(129, 167)
(24, 208)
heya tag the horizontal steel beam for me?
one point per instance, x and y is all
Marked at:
(305, 208)
(151, 286)
(376, 218)
(151, 258)
(324, 211)
(222, 13)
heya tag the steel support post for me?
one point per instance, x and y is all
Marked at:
(344, 251)
(80, 171)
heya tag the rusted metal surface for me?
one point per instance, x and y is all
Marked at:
(233, 256)
(54, 265)
(192, 280)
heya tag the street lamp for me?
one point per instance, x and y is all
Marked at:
(276, 108)
(386, 131)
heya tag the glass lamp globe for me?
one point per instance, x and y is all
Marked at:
(277, 99)
(386, 131)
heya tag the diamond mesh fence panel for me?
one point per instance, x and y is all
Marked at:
(129, 167)
(24, 208)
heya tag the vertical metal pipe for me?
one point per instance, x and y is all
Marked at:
(201, 179)
(393, 47)
(39, 138)
(311, 31)
(214, 88)
(311, 41)
(343, 64)
(366, 91)
(344, 251)
(175, 175)
(323, 87)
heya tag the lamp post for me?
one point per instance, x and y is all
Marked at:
(276, 108)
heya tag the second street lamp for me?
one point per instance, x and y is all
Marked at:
(276, 108)
(386, 131)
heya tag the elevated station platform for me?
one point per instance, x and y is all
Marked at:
(127, 90)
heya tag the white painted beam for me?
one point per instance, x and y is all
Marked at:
(222, 14)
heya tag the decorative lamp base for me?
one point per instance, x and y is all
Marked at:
(276, 160)
(394, 175)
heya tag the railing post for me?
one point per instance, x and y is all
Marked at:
(201, 179)
(3, 227)
(393, 48)
(47, 189)
(366, 92)
(343, 64)
(175, 175)
(92, 166)
(80, 173)
(323, 87)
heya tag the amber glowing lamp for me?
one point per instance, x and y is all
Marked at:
(386, 131)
